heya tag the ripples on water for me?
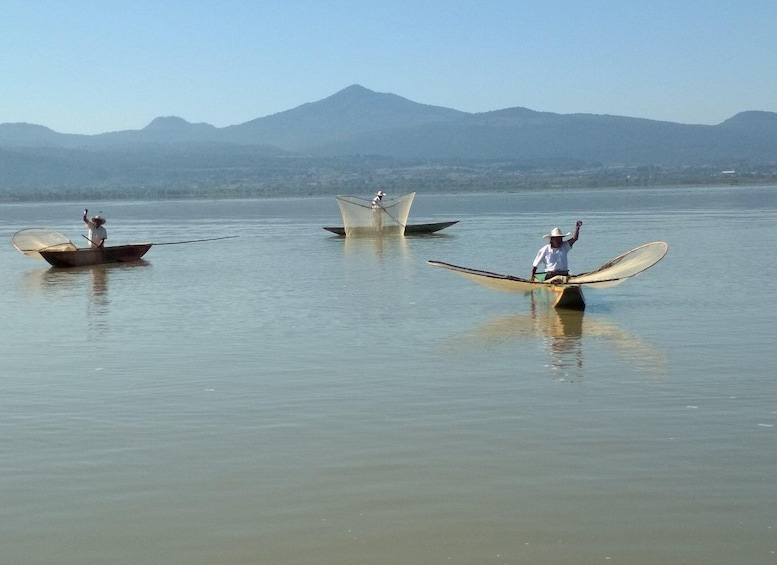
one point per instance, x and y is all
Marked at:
(292, 397)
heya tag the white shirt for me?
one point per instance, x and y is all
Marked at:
(96, 234)
(554, 258)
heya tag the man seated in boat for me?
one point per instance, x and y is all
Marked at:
(97, 234)
(553, 255)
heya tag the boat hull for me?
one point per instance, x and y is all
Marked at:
(410, 229)
(566, 297)
(96, 256)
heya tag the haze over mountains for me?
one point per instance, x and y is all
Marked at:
(367, 129)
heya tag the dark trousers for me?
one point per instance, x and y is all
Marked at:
(550, 274)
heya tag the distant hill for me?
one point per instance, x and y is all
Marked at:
(31, 135)
(359, 122)
(752, 120)
(347, 115)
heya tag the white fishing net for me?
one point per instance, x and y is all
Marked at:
(495, 281)
(610, 274)
(360, 217)
(624, 266)
(33, 240)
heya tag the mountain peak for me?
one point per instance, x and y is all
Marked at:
(357, 94)
(356, 100)
(752, 119)
(167, 123)
(355, 89)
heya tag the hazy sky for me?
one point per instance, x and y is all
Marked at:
(83, 66)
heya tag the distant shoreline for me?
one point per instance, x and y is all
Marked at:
(245, 193)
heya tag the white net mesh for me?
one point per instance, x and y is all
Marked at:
(360, 217)
(610, 274)
(31, 241)
(495, 281)
(624, 266)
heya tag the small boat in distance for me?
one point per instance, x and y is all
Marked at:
(56, 249)
(381, 217)
(82, 257)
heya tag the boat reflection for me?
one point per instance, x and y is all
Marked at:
(381, 246)
(65, 280)
(99, 301)
(75, 281)
(566, 334)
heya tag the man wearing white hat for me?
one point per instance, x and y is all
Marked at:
(554, 254)
(97, 234)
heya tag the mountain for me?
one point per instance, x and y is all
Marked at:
(31, 135)
(763, 121)
(357, 120)
(357, 131)
(170, 129)
(353, 112)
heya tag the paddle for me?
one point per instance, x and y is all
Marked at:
(178, 242)
(92, 242)
(198, 240)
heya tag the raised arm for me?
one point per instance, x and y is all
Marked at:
(576, 235)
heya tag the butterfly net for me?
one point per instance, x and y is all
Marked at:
(31, 241)
(624, 266)
(360, 217)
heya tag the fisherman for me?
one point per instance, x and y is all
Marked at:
(97, 234)
(554, 254)
(376, 202)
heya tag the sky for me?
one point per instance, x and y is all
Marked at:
(83, 66)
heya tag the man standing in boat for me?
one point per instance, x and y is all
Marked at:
(376, 202)
(554, 254)
(97, 234)
(377, 211)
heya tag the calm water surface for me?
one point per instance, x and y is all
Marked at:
(289, 396)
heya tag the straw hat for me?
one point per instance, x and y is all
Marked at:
(555, 232)
(97, 219)
(381, 193)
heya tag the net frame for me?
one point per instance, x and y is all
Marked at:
(362, 218)
(623, 267)
(33, 240)
(612, 273)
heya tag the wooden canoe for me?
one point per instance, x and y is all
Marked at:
(568, 296)
(561, 295)
(96, 255)
(410, 229)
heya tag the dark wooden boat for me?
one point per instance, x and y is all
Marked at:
(95, 255)
(410, 229)
(562, 294)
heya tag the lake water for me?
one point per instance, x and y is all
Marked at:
(291, 397)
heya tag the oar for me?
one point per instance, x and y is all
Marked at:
(177, 242)
(90, 241)
(197, 240)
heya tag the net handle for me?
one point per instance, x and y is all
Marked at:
(392, 217)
